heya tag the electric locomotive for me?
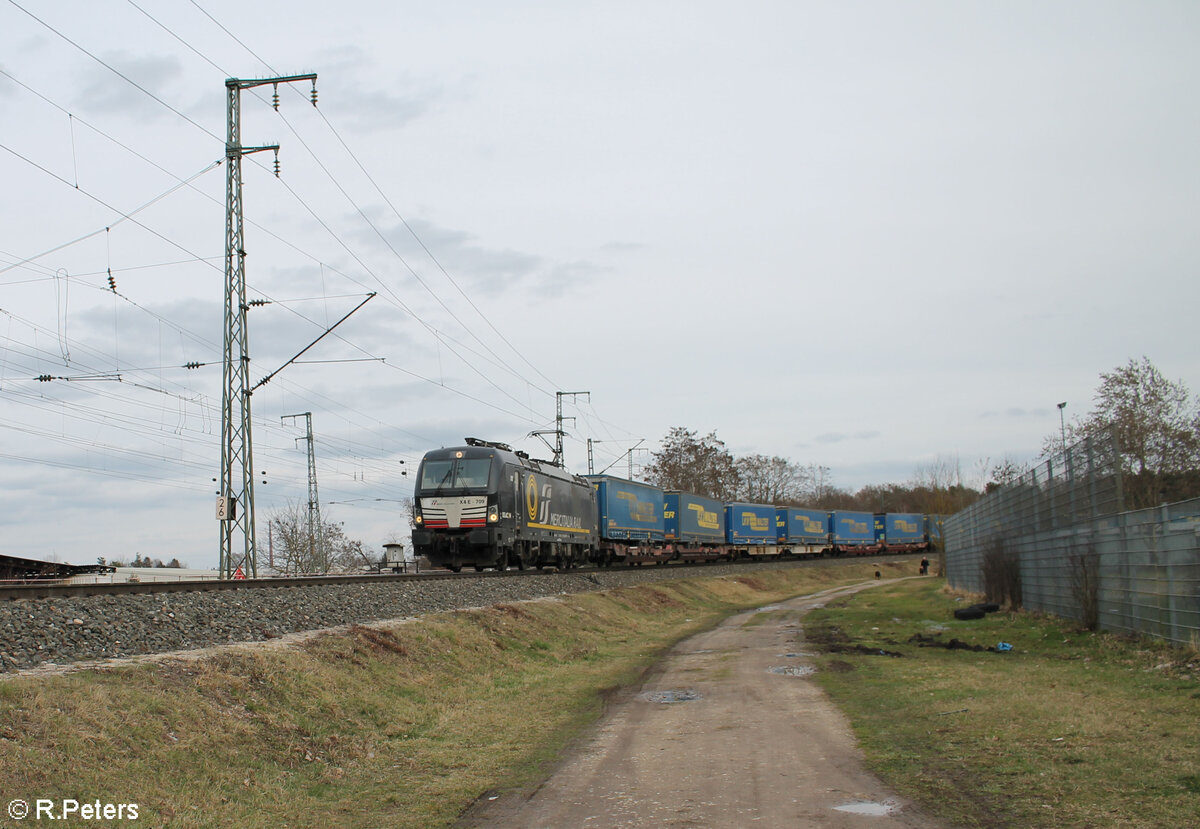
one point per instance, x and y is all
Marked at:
(483, 505)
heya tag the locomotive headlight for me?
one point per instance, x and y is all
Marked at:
(418, 518)
(493, 517)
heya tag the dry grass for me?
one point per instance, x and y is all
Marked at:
(396, 725)
(1071, 728)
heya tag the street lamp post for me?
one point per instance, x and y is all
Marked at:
(1062, 425)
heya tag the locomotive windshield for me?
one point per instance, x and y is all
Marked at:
(455, 473)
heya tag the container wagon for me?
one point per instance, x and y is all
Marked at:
(852, 532)
(750, 529)
(901, 532)
(694, 527)
(802, 532)
(630, 515)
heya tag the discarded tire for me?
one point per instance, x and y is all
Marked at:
(968, 613)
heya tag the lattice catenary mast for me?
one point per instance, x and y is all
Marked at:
(557, 431)
(235, 499)
(316, 542)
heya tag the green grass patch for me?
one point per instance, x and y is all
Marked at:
(402, 725)
(1071, 728)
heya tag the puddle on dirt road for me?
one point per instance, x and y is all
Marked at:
(887, 807)
(670, 696)
(793, 670)
(796, 655)
(767, 609)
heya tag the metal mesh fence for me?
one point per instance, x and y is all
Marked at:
(1079, 555)
(1059, 492)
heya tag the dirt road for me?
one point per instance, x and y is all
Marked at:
(728, 731)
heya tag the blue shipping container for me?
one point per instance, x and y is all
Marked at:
(750, 523)
(904, 528)
(693, 518)
(801, 526)
(933, 528)
(628, 510)
(855, 529)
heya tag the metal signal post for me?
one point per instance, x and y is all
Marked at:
(235, 500)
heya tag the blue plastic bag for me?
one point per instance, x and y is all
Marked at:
(1003, 647)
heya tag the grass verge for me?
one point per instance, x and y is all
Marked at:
(398, 725)
(1070, 728)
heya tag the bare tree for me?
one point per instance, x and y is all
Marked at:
(1157, 427)
(1005, 473)
(296, 548)
(938, 486)
(773, 480)
(821, 489)
(693, 464)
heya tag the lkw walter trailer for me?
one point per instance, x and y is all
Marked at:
(694, 527)
(630, 520)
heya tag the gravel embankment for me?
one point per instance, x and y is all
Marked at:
(98, 627)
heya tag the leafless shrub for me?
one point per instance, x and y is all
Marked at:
(1084, 564)
(1001, 571)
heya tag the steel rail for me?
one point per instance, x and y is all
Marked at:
(36, 590)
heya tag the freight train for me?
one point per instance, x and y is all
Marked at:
(484, 505)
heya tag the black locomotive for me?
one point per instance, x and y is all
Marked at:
(484, 505)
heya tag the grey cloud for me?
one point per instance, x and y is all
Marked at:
(367, 110)
(103, 91)
(839, 437)
(476, 269)
(369, 107)
(1016, 411)
(623, 247)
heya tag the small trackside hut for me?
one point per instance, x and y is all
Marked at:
(483, 505)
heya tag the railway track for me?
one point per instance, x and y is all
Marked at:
(47, 590)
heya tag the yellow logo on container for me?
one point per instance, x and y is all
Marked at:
(705, 518)
(756, 523)
(639, 510)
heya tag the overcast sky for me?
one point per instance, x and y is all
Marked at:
(864, 235)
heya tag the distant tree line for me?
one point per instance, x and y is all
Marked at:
(1156, 423)
(140, 561)
(704, 466)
